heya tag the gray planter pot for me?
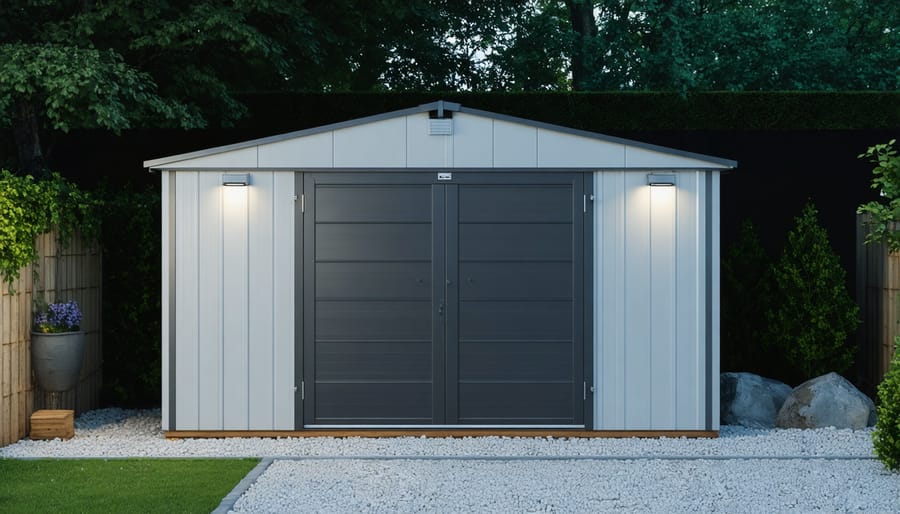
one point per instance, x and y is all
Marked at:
(56, 359)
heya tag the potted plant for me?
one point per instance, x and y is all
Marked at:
(57, 346)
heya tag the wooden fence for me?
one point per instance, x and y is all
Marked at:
(878, 294)
(72, 274)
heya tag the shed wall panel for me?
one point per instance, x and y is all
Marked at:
(651, 304)
(283, 294)
(712, 308)
(560, 150)
(187, 328)
(235, 277)
(168, 201)
(377, 144)
(424, 150)
(209, 253)
(313, 151)
(515, 145)
(261, 289)
(662, 323)
(690, 309)
(637, 302)
(609, 286)
(473, 141)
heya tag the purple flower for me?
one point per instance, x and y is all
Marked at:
(58, 317)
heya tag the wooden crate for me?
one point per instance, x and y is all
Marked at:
(50, 424)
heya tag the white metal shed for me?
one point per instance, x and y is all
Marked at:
(440, 267)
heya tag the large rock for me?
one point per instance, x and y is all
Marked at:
(750, 400)
(826, 401)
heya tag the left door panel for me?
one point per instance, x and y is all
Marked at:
(369, 302)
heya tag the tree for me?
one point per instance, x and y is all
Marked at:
(884, 217)
(812, 314)
(110, 64)
(746, 295)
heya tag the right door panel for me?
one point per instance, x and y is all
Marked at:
(517, 259)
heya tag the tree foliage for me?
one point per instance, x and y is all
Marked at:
(886, 179)
(746, 294)
(812, 314)
(29, 208)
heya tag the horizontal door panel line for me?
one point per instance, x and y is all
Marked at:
(373, 222)
(370, 381)
(514, 341)
(373, 341)
(443, 427)
(366, 261)
(514, 222)
(481, 381)
(516, 299)
(373, 299)
(494, 261)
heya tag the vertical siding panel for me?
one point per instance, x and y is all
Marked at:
(662, 307)
(637, 302)
(261, 308)
(209, 254)
(611, 302)
(186, 328)
(234, 309)
(713, 309)
(164, 297)
(689, 305)
(283, 250)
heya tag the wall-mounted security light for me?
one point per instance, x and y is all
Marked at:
(659, 179)
(236, 179)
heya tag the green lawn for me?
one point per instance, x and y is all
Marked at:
(131, 485)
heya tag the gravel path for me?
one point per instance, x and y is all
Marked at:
(744, 470)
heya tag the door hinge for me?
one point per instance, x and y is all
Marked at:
(302, 201)
(586, 197)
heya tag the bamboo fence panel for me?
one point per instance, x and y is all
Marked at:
(878, 295)
(72, 274)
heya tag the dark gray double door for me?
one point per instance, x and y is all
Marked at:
(453, 302)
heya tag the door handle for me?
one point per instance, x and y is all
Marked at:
(441, 309)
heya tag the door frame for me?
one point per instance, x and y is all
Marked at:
(443, 353)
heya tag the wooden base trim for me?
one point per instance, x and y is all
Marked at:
(560, 434)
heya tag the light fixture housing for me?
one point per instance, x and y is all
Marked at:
(661, 179)
(235, 179)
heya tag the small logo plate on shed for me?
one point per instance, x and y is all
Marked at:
(445, 176)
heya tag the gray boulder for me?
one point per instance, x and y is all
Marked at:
(750, 400)
(826, 401)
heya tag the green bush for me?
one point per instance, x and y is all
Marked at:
(131, 297)
(886, 437)
(812, 314)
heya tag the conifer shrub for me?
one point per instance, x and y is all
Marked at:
(812, 314)
(886, 437)
(746, 294)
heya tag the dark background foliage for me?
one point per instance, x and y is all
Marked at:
(790, 148)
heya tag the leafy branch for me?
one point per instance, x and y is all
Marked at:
(29, 208)
(886, 179)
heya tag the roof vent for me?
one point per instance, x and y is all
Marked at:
(440, 126)
(440, 121)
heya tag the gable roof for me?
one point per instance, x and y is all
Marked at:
(574, 148)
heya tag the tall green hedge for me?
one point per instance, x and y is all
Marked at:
(607, 111)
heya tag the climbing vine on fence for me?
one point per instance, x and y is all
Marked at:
(30, 207)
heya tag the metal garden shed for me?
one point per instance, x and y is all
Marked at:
(440, 267)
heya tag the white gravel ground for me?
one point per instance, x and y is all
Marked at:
(744, 470)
